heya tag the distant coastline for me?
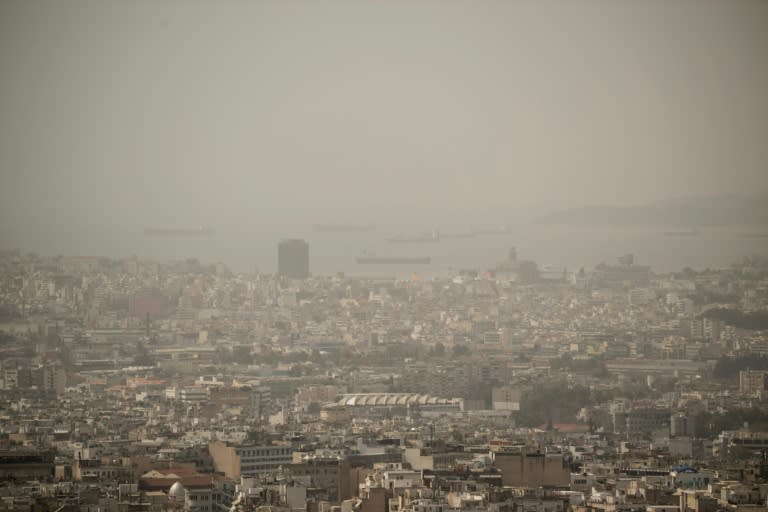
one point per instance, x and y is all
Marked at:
(718, 211)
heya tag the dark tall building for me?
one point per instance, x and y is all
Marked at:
(293, 258)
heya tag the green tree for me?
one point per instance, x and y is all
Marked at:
(460, 350)
(143, 357)
(728, 368)
(242, 354)
(268, 356)
(553, 401)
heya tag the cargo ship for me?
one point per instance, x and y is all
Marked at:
(461, 234)
(199, 231)
(492, 230)
(344, 228)
(392, 260)
(690, 232)
(432, 237)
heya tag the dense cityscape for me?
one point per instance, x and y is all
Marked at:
(137, 385)
(383, 256)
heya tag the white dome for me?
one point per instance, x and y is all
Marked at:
(177, 491)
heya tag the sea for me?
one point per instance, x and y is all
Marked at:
(245, 249)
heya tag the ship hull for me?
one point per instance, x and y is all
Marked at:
(374, 260)
(177, 232)
(343, 228)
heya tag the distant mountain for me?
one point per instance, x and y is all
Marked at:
(705, 211)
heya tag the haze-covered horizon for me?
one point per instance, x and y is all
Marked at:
(261, 116)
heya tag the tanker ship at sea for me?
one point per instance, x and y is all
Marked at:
(690, 232)
(431, 237)
(198, 231)
(369, 259)
(344, 228)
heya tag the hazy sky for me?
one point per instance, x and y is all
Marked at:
(168, 112)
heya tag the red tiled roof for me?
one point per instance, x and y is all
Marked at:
(187, 475)
(180, 470)
(567, 428)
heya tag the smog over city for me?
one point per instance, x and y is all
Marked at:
(401, 256)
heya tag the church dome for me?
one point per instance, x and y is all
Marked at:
(176, 492)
